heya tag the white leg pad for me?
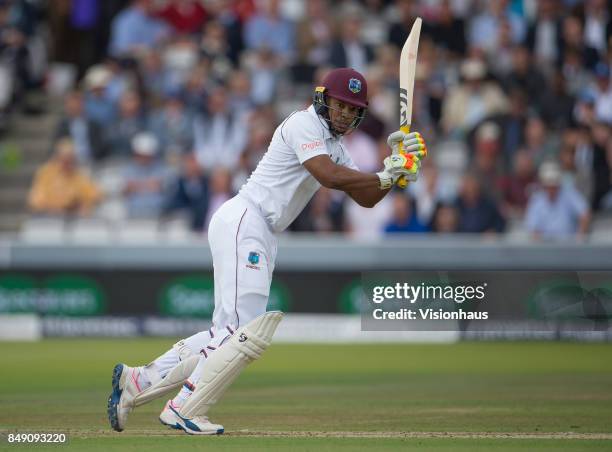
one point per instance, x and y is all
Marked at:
(224, 365)
(175, 378)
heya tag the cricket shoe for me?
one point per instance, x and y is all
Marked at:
(121, 400)
(198, 425)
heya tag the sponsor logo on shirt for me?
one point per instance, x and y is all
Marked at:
(312, 145)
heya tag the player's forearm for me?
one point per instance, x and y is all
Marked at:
(347, 180)
(368, 197)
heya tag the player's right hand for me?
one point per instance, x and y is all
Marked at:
(412, 143)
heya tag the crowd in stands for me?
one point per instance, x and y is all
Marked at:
(181, 98)
(22, 57)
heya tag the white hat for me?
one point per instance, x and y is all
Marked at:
(473, 69)
(488, 131)
(97, 77)
(145, 143)
(550, 174)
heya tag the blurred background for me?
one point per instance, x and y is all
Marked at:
(126, 124)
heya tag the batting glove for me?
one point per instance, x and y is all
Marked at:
(412, 143)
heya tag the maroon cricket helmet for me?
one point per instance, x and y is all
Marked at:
(347, 85)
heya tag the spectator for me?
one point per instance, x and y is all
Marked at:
(135, 30)
(472, 100)
(173, 126)
(525, 76)
(600, 171)
(144, 178)
(426, 192)
(99, 107)
(556, 211)
(538, 142)
(348, 50)
(445, 219)
(573, 41)
(596, 22)
(487, 162)
(268, 29)
(185, 16)
(60, 187)
(190, 192)
(483, 28)
(544, 36)
(228, 14)
(404, 217)
(323, 214)
(85, 134)
(557, 105)
(363, 150)
(603, 94)
(219, 138)
(129, 122)
(314, 34)
(448, 30)
(220, 191)
(215, 47)
(477, 212)
(517, 186)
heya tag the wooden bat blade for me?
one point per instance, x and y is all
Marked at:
(408, 60)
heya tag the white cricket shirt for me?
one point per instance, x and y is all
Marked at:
(280, 186)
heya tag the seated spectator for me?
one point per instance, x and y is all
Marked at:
(190, 192)
(603, 94)
(129, 122)
(404, 217)
(349, 50)
(220, 191)
(99, 106)
(477, 212)
(516, 187)
(173, 126)
(185, 16)
(135, 29)
(144, 178)
(85, 134)
(219, 136)
(268, 29)
(557, 211)
(487, 161)
(60, 187)
(472, 100)
(445, 219)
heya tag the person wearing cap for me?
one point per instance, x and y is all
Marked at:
(557, 211)
(60, 187)
(472, 100)
(144, 178)
(306, 153)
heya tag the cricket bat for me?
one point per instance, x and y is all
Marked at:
(408, 60)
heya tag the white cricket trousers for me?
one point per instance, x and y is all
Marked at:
(244, 251)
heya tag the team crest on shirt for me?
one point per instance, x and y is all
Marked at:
(354, 85)
(253, 260)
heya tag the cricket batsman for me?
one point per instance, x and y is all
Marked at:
(306, 152)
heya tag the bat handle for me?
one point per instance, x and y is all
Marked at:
(402, 182)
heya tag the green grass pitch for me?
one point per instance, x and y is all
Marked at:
(467, 396)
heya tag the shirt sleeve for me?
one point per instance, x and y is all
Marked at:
(304, 137)
(532, 215)
(578, 204)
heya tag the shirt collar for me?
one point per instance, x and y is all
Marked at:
(326, 132)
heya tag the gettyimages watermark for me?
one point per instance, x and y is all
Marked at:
(506, 303)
